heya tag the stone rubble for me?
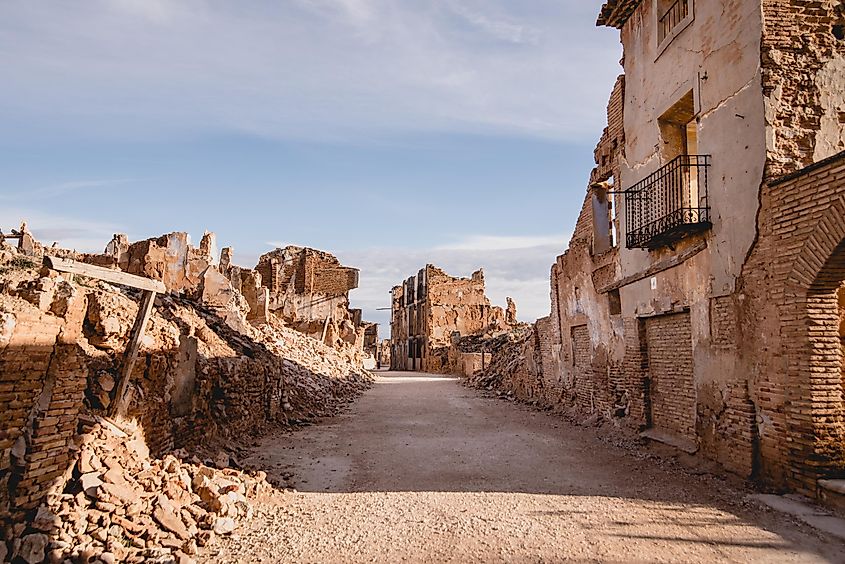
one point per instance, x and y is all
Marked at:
(165, 480)
(120, 505)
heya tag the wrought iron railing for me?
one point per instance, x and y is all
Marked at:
(668, 204)
(672, 17)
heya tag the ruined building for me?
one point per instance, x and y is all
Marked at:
(85, 481)
(309, 291)
(700, 299)
(432, 311)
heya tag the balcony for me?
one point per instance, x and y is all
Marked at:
(669, 204)
(671, 18)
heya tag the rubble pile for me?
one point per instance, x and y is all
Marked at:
(304, 357)
(508, 356)
(161, 479)
(120, 505)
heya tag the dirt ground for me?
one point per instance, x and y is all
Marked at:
(422, 469)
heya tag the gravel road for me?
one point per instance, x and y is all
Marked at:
(422, 469)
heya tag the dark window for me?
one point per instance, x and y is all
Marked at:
(614, 302)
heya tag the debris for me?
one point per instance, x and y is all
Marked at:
(77, 485)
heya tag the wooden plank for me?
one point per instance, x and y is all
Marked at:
(656, 268)
(131, 353)
(106, 274)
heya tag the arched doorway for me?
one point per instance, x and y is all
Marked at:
(815, 334)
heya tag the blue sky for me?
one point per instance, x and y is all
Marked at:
(392, 133)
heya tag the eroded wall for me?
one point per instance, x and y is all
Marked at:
(309, 290)
(430, 310)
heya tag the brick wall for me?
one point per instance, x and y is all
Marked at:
(582, 370)
(790, 321)
(798, 48)
(670, 368)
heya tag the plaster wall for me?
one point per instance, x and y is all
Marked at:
(717, 57)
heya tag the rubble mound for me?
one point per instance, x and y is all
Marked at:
(508, 356)
(158, 479)
(120, 505)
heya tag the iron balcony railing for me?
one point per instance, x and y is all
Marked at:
(672, 17)
(668, 204)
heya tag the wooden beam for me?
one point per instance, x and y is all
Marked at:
(130, 355)
(656, 267)
(145, 310)
(106, 274)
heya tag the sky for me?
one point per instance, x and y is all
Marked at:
(393, 133)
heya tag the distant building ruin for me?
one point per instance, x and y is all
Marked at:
(309, 290)
(431, 310)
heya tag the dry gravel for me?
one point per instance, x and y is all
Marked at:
(422, 469)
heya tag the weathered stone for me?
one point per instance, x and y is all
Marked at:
(106, 382)
(33, 547)
(90, 483)
(45, 520)
(167, 516)
(224, 525)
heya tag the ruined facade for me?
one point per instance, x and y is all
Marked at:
(700, 297)
(432, 311)
(309, 290)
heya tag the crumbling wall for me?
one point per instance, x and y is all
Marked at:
(204, 375)
(803, 61)
(728, 342)
(309, 290)
(457, 305)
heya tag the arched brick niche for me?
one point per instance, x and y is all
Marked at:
(791, 352)
(811, 328)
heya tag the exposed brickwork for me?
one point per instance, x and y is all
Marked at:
(791, 313)
(724, 333)
(582, 370)
(612, 142)
(635, 370)
(671, 390)
(800, 58)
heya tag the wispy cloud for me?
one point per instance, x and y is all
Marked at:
(69, 232)
(497, 28)
(499, 242)
(325, 69)
(63, 188)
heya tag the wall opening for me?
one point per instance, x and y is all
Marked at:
(826, 323)
(671, 390)
(604, 217)
(678, 129)
(614, 301)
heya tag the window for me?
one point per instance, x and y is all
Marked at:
(614, 302)
(671, 202)
(604, 217)
(673, 16)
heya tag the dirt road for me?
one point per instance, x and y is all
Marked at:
(424, 470)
